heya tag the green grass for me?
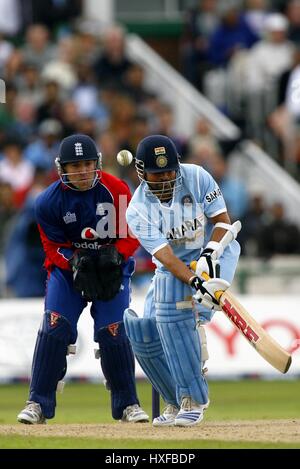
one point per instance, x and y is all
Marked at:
(9, 442)
(89, 403)
(254, 400)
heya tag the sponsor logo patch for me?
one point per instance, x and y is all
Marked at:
(87, 245)
(113, 329)
(89, 233)
(188, 229)
(54, 317)
(70, 217)
(213, 195)
(235, 317)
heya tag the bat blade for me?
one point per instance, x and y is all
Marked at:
(260, 340)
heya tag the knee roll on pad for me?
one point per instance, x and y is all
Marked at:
(203, 343)
(117, 363)
(146, 344)
(179, 338)
(169, 290)
(49, 360)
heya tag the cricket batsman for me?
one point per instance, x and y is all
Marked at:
(178, 214)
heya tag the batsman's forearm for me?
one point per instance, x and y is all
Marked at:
(173, 264)
(218, 233)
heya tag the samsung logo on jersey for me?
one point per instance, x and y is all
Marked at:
(213, 195)
(185, 229)
(86, 245)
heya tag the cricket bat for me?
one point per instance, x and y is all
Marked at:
(253, 332)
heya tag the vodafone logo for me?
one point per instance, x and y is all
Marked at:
(89, 233)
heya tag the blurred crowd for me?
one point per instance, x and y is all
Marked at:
(245, 57)
(63, 76)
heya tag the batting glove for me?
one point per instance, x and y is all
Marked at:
(207, 263)
(205, 291)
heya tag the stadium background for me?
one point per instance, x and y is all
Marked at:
(119, 70)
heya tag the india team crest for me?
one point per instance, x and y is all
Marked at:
(161, 161)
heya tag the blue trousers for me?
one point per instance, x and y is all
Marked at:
(63, 299)
(63, 307)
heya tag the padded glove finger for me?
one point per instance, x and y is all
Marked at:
(207, 264)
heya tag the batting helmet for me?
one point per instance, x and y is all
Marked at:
(158, 154)
(77, 147)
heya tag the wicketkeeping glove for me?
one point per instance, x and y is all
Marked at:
(110, 272)
(85, 275)
(205, 291)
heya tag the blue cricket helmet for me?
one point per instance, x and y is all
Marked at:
(77, 147)
(157, 154)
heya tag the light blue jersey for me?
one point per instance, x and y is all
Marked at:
(181, 223)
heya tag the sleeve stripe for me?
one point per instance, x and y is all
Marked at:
(62, 254)
(222, 210)
(158, 248)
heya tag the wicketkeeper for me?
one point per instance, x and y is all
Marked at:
(80, 222)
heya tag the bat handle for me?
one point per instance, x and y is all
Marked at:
(204, 275)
